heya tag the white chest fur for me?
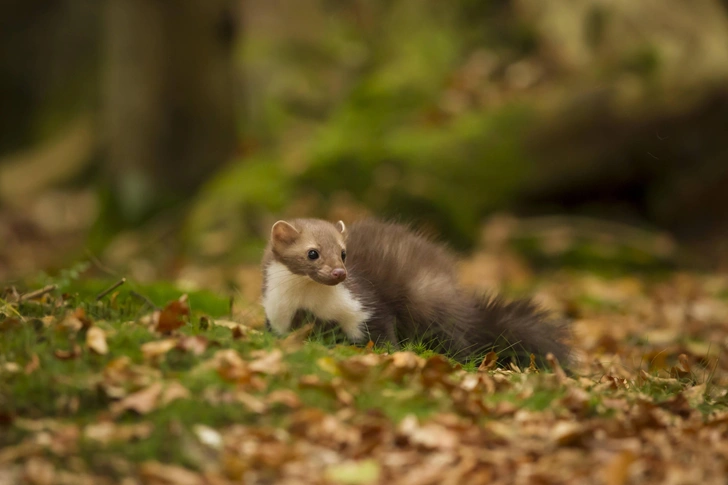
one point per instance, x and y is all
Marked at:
(287, 292)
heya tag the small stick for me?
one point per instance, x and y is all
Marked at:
(144, 299)
(110, 289)
(37, 293)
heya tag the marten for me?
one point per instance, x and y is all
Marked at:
(386, 283)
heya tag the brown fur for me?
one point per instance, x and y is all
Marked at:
(411, 287)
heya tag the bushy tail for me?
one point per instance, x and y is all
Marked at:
(514, 329)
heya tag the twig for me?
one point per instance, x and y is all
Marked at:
(144, 299)
(110, 289)
(37, 293)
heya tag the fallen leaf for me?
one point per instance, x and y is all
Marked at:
(556, 368)
(68, 354)
(358, 367)
(173, 315)
(285, 397)
(427, 435)
(11, 367)
(194, 344)
(616, 472)
(566, 433)
(33, 365)
(96, 340)
(267, 362)
(328, 364)
(173, 391)
(208, 436)
(683, 370)
(39, 471)
(489, 362)
(230, 366)
(295, 339)
(354, 472)
(404, 363)
(155, 473)
(142, 401)
(156, 348)
(107, 431)
(251, 402)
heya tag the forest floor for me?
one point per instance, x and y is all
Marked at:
(148, 385)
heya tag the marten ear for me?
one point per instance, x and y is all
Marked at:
(283, 232)
(340, 227)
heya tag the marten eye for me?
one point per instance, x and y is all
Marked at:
(343, 255)
(313, 254)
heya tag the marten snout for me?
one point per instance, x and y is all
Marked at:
(339, 274)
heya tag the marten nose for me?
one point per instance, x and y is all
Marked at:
(339, 274)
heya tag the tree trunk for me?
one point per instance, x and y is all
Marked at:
(168, 92)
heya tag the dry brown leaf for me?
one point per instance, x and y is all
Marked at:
(75, 321)
(295, 339)
(556, 368)
(156, 348)
(251, 402)
(566, 433)
(328, 364)
(208, 436)
(142, 402)
(68, 354)
(341, 393)
(285, 397)
(172, 391)
(173, 315)
(107, 431)
(120, 376)
(234, 467)
(11, 367)
(358, 367)
(25, 448)
(489, 362)
(335, 388)
(267, 362)
(428, 435)
(39, 471)
(33, 365)
(354, 472)
(230, 366)
(237, 333)
(194, 344)
(404, 363)
(616, 472)
(155, 473)
(96, 340)
(437, 370)
(683, 370)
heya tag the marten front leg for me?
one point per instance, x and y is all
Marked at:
(381, 330)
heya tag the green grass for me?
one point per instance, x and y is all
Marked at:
(318, 372)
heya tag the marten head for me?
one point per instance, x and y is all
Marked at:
(311, 247)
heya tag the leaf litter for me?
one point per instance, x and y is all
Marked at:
(643, 401)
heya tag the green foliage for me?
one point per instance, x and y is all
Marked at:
(383, 138)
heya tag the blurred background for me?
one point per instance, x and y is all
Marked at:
(162, 139)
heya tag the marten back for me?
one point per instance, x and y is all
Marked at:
(416, 279)
(412, 276)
